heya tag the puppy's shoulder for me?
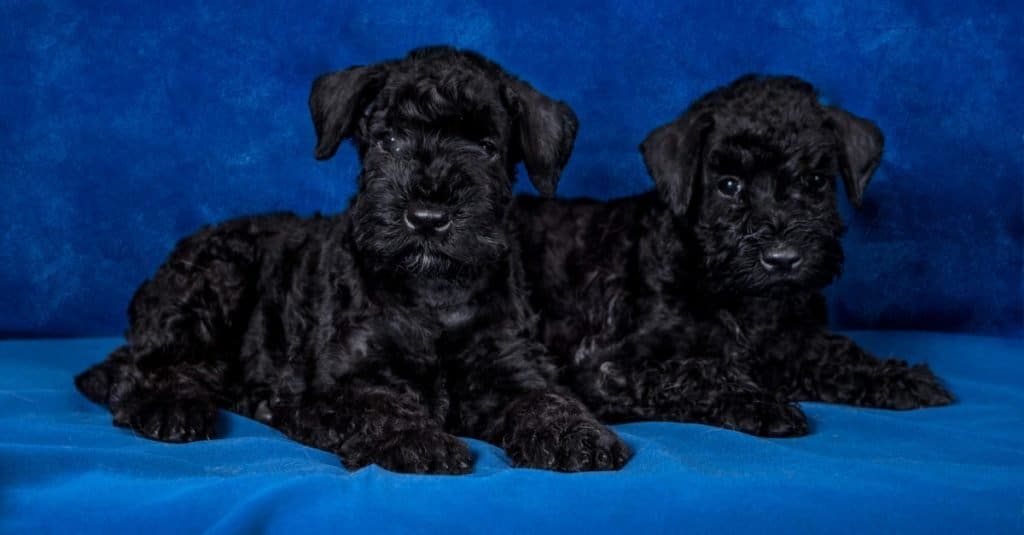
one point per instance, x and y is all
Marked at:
(583, 211)
(530, 207)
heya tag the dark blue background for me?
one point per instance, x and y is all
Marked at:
(124, 126)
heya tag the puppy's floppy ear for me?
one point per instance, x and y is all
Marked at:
(337, 100)
(545, 130)
(860, 143)
(673, 154)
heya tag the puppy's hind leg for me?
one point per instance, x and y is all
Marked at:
(95, 383)
(166, 382)
(170, 403)
(834, 369)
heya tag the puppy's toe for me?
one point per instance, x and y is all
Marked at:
(171, 420)
(420, 451)
(592, 446)
(582, 446)
(767, 418)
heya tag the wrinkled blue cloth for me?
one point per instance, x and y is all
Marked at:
(126, 125)
(956, 469)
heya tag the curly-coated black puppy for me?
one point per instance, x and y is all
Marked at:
(384, 331)
(700, 302)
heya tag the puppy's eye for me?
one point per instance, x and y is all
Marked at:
(729, 186)
(387, 141)
(815, 182)
(488, 147)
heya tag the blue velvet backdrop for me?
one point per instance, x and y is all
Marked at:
(124, 126)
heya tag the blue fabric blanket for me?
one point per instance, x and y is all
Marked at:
(953, 469)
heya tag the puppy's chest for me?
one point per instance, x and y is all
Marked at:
(438, 332)
(450, 314)
(747, 327)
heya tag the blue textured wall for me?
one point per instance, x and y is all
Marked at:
(126, 126)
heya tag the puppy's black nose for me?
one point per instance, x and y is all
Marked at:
(780, 258)
(427, 218)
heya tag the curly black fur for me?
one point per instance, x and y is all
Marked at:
(701, 302)
(382, 332)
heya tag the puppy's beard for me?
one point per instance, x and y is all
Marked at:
(393, 247)
(461, 251)
(424, 262)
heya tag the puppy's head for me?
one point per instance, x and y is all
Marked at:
(439, 133)
(751, 168)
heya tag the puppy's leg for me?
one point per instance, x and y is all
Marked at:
(711, 391)
(833, 369)
(657, 373)
(553, 430)
(506, 397)
(390, 426)
(184, 329)
(169, 404)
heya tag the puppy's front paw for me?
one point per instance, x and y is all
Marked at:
(169, 420)
(904, 388)
(581, 446)
(787, 421)
(769, 419)
(417, 451)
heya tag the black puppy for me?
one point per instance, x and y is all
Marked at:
(701, 302)
(381, 332)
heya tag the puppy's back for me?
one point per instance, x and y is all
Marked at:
(566, 243)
